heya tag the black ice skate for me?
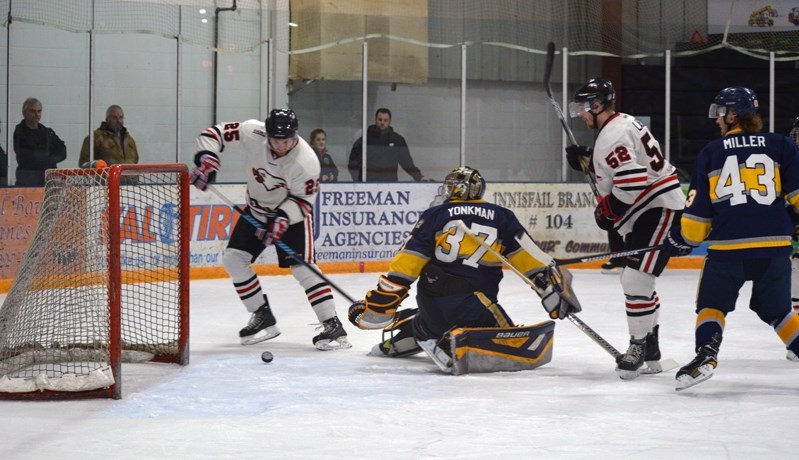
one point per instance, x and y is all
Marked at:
(652, 356)
(791, 356)
(611, 267)
(628, 365)
(261, 327)
(702, 367)
(333, 337)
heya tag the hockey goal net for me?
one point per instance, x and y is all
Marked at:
(104, 280)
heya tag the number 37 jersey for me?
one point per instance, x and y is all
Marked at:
(438, 239)
(737, 197)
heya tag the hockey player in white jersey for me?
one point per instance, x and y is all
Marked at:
(640, 197)
(282, 184)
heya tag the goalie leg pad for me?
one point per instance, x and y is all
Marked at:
(478, 350)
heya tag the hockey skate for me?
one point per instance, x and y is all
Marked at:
(333, 337)
(702, 367)
(261, 327)
(791, 356)
(611, 268)
(628, 365)
(652, 356)
(398, 340)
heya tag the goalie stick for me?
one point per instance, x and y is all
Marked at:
(592, 334)
(548, 87)
(257, 224)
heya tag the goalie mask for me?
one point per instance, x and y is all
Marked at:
(464, 183)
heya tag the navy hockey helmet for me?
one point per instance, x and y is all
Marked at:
(282, 124)
(742, 101)
(464, 183)
(595, 93)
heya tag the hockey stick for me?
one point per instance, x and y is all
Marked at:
(548, 86)
(286, 248)
(592, 334)
(607, 255)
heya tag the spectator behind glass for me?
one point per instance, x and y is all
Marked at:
(386, 150)
(329, 172)
(37, 147)
(112, 142)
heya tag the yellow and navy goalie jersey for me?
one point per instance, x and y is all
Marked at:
(737, 197)
(437, 239)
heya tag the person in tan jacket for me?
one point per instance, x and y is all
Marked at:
(112, 142)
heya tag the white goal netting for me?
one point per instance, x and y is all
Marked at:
(104, 278)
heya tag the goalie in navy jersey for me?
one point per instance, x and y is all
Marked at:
(737, 203)
(459, 322)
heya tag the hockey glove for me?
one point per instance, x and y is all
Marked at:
(276, 226)
(577, 154)
(378, 309)
(609, 210)
(676, 245)
(557, 297)
(208, 165)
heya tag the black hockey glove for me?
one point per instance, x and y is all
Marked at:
(576, 154)
(609, 210)
(676, 245)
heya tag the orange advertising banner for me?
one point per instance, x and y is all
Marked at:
(19, 213)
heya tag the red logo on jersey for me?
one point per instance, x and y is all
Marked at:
(269, 181)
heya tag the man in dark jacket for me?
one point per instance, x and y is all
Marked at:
(38, 148)
(385, 151)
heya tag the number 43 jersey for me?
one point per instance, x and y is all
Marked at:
(737, 197)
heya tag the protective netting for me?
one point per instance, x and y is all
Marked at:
(56, 322)
(628, 28)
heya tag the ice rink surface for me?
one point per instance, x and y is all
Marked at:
(309, 404)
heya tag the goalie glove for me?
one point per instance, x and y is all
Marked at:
(378, 309)
(556, 293)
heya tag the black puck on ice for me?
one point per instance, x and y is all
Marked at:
(267, 357)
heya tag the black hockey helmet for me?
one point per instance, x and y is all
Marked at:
(595, 93)
(742, 100)
(464, 183)
(282, 124)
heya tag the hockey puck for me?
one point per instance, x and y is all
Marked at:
(267, 357)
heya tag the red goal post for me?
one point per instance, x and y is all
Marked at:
(105, 280)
